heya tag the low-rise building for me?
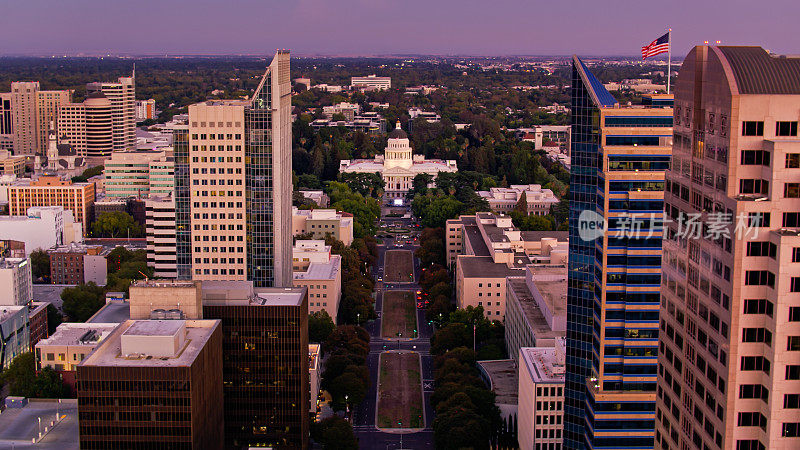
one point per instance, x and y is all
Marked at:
(322, 222)
(127, 174)
(68, 346)
(540, 419)
(504, 200)
(161, 233)
(542, 135)
(42, 228)
(52, 191)
(315, 268)
(317, 196)
(536, 308)
(10, 164)
(10, 248)
(79, 263)
(368, 122)
(371, 82)
(163, 373)
(492, 250)
(21, 327)
(16, 282)
(348, 110)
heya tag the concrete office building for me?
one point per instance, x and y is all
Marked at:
(494, 251)
(10, 164)
(541, 397)
(504, 200)
(42, 228)
(68, 346)
(33, 113)
(348, 110)
(316, 269)
(729, 345)
(152, 298)
(487, 234)
(321, 222)
(233, 185)
(269, 328)
(162, 176)
(122, 95)
(536, 308)
(153, 383)
(50, 190)
(21, 327)
(161, 234)
(76, 263)
(6, 129)
(371, 82)
(398, 165)
(619, 155)
(88, 127)
(127, 174)
(16, 282)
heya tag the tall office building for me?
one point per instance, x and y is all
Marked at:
(88, 126)
(729, 350)
(34, 113)
(619, 155)
(122, 95)
(233, 185)
(6, 130)
(265, 362)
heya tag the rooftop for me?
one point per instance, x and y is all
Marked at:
(545, 364)
(758, 72)
(242, 293)
(112, 312)
(10, 263)
(321, 271)
(7, 312)
(536, 320)
(485, 267)
(504, 378)
(109, 353)
(69, 333)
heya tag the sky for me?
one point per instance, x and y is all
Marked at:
(375, 27)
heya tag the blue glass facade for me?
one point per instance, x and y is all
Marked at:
(183, 231)
(614, 277)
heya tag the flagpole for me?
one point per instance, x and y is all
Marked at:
(669, 58)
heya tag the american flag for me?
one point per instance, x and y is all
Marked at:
(660, 45)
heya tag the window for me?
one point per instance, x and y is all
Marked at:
(792, 160)
(761, 249)
(758, 306)
(754, 391)
(791, 219)
(758, 219)
(791, 429)
(752, 128)
(785, 128)
(753, 186)
(793, 372)
(759, 278)
(757, 335)
(791, 401)
(755, 363)
(752, 419)
(795, 287)
(791, 190)
(755, 158)
(794, 312)
(749, 444)
(793, 344)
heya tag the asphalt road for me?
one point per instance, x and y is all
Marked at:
(364, 417)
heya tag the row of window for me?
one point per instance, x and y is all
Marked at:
(219, 272)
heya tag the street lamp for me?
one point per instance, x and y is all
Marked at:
(40, 427)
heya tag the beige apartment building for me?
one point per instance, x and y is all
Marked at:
(322, 222)
(122, 95)
(34, 113)
(155, 299)
(52, 191)
(88, 127)
(729, 345)
(540, 413)
(321, 272)
(492, 250)
(10, 164)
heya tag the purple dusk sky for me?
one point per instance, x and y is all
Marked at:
(366, 27)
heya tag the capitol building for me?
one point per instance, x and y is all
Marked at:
(398, 165)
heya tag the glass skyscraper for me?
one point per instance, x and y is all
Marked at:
(618, 156)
